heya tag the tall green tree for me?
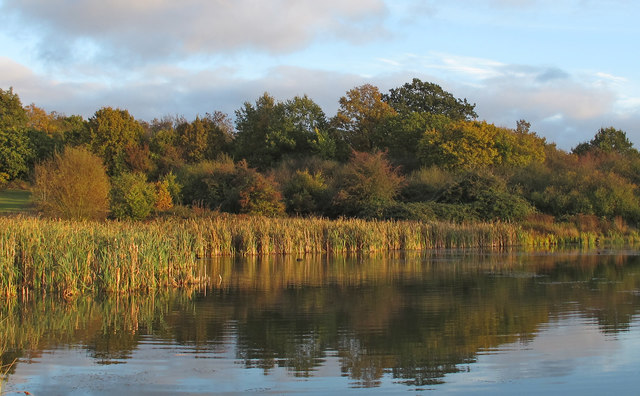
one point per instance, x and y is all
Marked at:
(111, 132)
(15, 151)
(270, 130)
(425, 97)
(607, 140)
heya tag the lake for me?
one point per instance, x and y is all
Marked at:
(482, 322)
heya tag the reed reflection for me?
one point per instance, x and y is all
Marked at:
(415, 317)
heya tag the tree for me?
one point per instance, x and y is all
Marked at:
(111, 132)
(462, 144)
(205, 138)
(261, 139)
(473, 144)
(308, 126)
(487, 195)
(607, 140)
(362, 111)
(15, 151)
(193, 139)
(12, 115)
(72, 185)
(271, 130)
(425, 97)
(166, 152)
(401, 135)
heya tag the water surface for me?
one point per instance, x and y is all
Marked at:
(449, 321)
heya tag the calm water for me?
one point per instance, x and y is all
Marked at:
(455, 322)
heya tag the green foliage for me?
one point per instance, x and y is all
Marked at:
(367, 180)
(401, 135)
(607, 140)
(305, 193)
(425, 97)
(132, 197)
(230, 187)
(569, 185)
(14, 201)
(517, 149)
(15, 151)
(487, 195)
(427, 184)
(458, 168)
(15, 155)
(72, 185)
(204, 183)
(111, 132)
(12, 115)
(270, 131)
(173, 187)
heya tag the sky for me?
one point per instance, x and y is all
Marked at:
(569, 67)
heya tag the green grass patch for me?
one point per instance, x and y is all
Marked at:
(15, 201)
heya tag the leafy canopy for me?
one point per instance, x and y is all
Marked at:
(425, 97)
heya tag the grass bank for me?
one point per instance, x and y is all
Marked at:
(72, 257)
(15, 201)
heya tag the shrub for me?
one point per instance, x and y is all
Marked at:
(231, 187)
(132, 197)
(163, 196)
(72, 185)
(488, 196)
(252, 193)
(426, 184)
(305, 192)
(199, 181)
(367, 180)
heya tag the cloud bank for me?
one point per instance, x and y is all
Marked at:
(125, 30)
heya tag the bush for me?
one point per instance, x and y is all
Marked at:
(252, 193)
(72, 185)
(132, 197)
(230, 187)
(488, 196)
(305, 192)
(426, 184)
(367, 180)
(200, 180)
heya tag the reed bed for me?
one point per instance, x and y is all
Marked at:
(72, 257)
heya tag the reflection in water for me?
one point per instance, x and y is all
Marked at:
(418, 319)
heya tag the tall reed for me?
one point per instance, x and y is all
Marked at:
(71, 257)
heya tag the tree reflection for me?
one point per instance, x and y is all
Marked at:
(413, 317)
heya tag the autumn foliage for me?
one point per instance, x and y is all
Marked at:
(415, 153)
(72, 185)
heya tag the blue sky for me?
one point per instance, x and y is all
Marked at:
(567, 66)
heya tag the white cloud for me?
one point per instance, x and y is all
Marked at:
(134, 30)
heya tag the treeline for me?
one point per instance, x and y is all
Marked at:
(416, 152)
